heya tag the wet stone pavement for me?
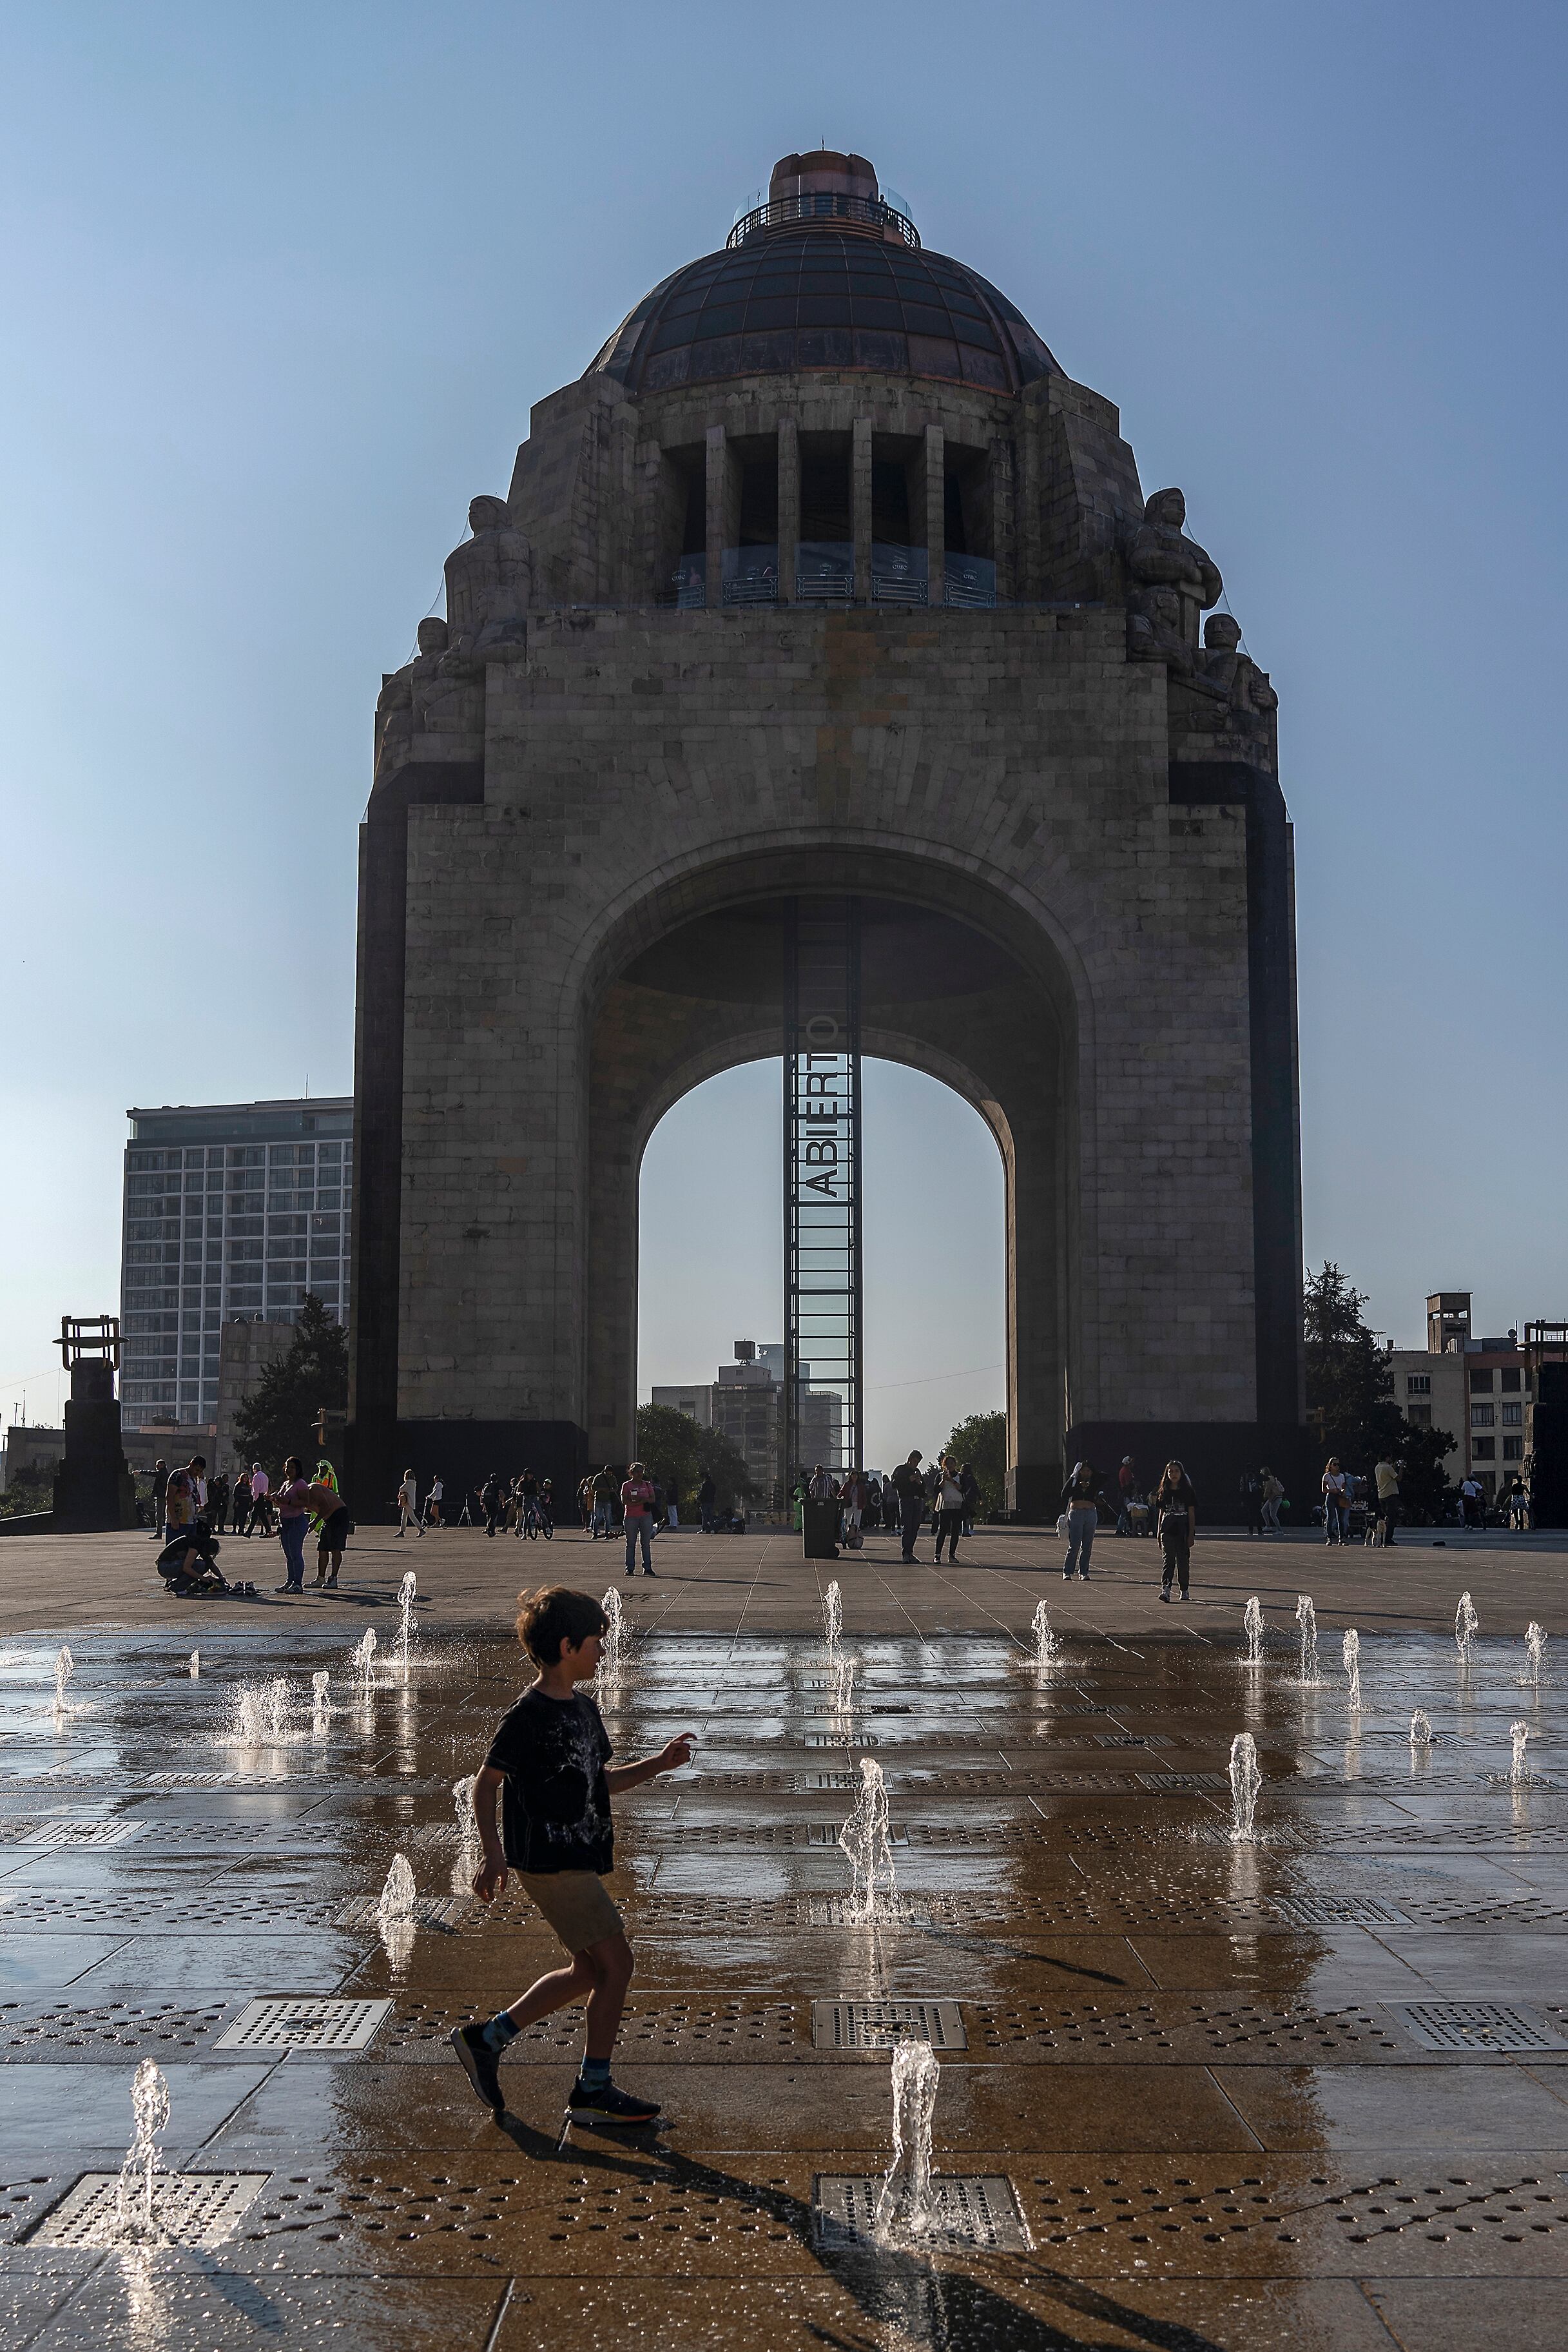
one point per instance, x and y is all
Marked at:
(1308, 2090)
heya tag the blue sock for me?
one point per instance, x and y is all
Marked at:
(594, 2072)
(500, 2030)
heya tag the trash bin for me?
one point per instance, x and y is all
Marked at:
(819, 1530)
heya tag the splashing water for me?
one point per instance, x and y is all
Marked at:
(196, 1665)
(275, 1710)
(362, 1660)
(1307, 1619)
(910, 2207)
(833, 1615)
(463, 1806)
(249, 1727)
(610, 1645)
(1519, 1734)
(864, 1838)
(320, 1706)
(1467, 1625)
(1044, 1639)
(397, 1896)
(406, 1593)
(1252, 1619)
(1535, 1639)
(136, 2190)
(1353, 1666)
(65, 1667)
(1420, 1728)
(1245, 1779)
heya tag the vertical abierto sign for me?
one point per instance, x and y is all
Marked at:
(821, 1416)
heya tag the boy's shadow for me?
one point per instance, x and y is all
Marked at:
(896, 2287)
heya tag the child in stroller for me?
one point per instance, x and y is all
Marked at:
(189, 1564)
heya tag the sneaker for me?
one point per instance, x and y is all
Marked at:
(1163, 1595)
(479, 2063)
(647, 1571)
(608, 2105)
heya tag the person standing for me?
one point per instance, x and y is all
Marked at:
(178, 1504)
(432, 1501)
(673, 1504)
(707, 1495)
(408, 1506)
(1252, 1501)
(637, 1509)
(851, 1505)
(1387, 1478)
(159, 1485)
(910, 1488)
(260, 1508)
(969, 1486)
(1176, 1507)
(603, 1498)
(1273, 1496)
(239, 1501)
(218, 1503)
(1126, 1487)
(1081, 1499)
(949, 1499)
(332, 1529)
(293, 1519)
(490, 1501)
(1336, 1503)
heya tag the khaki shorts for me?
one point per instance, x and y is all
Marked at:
(575, 1903)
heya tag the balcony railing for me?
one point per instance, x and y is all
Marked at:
(871, 213)
(898, 574)
(969, 580)
(750, 575)
(687, 586)
(825, 572)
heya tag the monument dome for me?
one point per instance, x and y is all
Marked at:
(829, 273)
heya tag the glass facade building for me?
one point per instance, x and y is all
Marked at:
(230, 1209)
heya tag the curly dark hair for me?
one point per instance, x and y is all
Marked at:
(554, 1614)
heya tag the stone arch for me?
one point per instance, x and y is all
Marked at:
(689, 984)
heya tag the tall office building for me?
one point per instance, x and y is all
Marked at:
(230, 1209)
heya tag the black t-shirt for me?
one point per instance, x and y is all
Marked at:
(1174, 1500)
(554, 1802)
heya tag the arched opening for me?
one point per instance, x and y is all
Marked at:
(710, 1258)
(942, 994)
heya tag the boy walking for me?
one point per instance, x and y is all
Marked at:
(549, 1758)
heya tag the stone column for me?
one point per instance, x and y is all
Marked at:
(934, 466)
(717, 503)
(859, 506)
(788, 507)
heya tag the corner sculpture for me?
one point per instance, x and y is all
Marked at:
(825, 574)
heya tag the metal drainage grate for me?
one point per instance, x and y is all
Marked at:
(279, 2024)
(838, 1739)
(68, 1833)
(831, 1780)
(193, 2209)
(192, 1779)
(429, 1910)
(1490, 2025)
(824, 1833)
(1339, 1911)
(878, 2025)
(1182, 1779)
(972, 2210)
(1131, 1739)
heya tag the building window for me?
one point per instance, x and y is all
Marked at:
(1419, 1416)
(1480, 1383)
(1418, 1383)
(1481, 1416)
(1513, 1449)
(1485, 1449)
(1508, 1378)
(1513, 1416)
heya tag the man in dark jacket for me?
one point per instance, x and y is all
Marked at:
(910, 1487)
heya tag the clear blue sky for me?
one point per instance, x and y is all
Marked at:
(279, 286)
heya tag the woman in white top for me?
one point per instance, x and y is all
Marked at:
(407, 1512)
(949, 1502)
(1336, 1503)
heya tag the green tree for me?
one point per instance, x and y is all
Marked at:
(675, 1446)
(1349, 1398)
(278, 1417)
(982, 1442)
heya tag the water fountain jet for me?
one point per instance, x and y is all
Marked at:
(911, 2210)
(865, 1839)
(1252, 1619)
(320, 1706)
(196, 1665)
(1535, 1638)
(1307, 1619)
(136, 2189)
(1245, 1779)
(65, 1667)
(1467, 1625)
(398, 1896)
(1045, 1646)
(1421, 1729)
(1519, 1734)
(613, 1638)
(833, 1615)
(406, 1593)
(361, 1663)
(1352, 1648)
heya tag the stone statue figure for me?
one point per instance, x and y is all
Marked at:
(489, 586)
(1225, 666)
(422, 698)
(1162, 556)
(1155, 633)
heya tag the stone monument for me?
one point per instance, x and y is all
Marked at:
(826, 576)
